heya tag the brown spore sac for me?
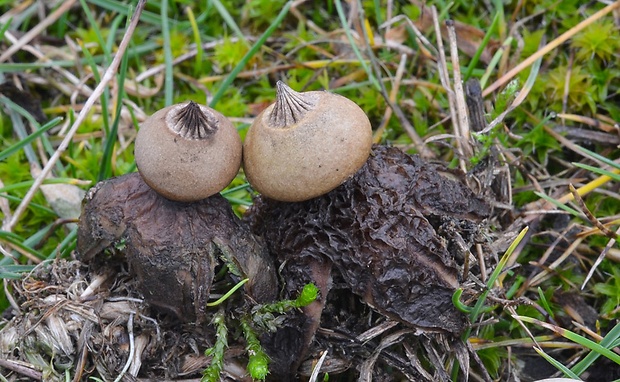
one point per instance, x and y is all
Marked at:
(172, 247)
(377, 230)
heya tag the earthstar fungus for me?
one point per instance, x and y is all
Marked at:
(169, 218)
(305, 144)
(383, 232)
(188, 152)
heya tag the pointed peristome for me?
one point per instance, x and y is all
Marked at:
(290, 106)
(192, 121)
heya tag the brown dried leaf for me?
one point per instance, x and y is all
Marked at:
(398, 34)
(468, 38)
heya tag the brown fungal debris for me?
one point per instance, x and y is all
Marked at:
(305, 144)
(382, 231)
(172, 247)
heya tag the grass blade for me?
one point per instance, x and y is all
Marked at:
(495, 276)
(259, 43)
(197, 41)
(229, 20)
(106, 161)
(572, 336)
(609, 341)
(615, 175)
(14, 271)
(358, 54)
(599, 157)
(165, 31)
(559, 204)
(20, 145)
(18, 242)
(485, 41)
(558, 365)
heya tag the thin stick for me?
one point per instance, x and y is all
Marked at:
(442, 66)
(404, 121)
(107, 77)
(393, 94)
(40, 27)
(462, 125)
(24, 369)
(599, 259)
(132, 348)
(444, 78)
(586, 211)
(549, 47)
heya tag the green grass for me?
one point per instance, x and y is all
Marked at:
(557, 116)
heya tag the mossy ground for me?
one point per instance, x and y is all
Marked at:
(549, 99)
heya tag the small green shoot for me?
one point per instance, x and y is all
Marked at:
(308, 295)
(212, 372)
(544, 303)
(228, 294)
(258, 361)
(456, 300)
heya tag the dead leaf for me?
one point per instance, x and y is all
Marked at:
(468, 38)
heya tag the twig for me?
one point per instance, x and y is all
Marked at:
(393, 94)
(462, 123)
(40, 27)
(442, 66)
(317, 368)
(549, 47)
(131, 348)
(609, 233)
(22, 369)
(107, 77)
(596, 123)
(444, 77)
(404, 121)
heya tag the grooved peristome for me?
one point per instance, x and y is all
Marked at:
(187, 152)
(192, 121)
(290, 106)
